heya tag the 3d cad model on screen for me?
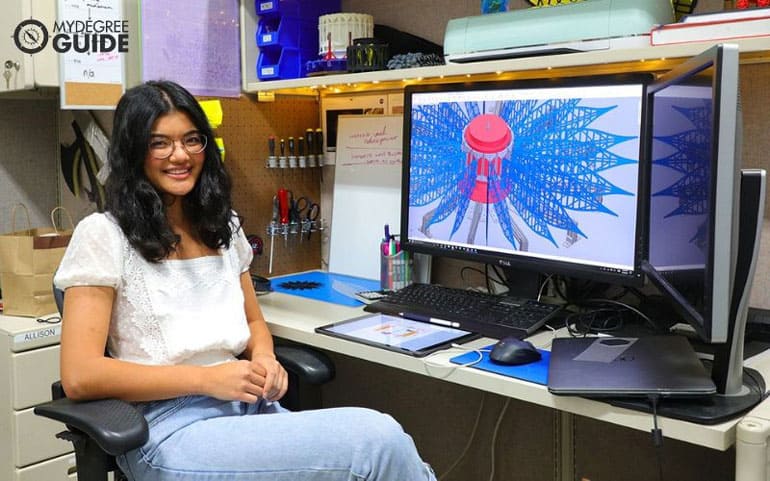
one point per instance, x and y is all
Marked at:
(545, 176)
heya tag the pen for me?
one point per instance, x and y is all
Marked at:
(432, 320)
(387, 232)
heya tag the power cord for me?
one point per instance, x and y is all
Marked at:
(629, 307)
(543, 286)
(494, 438)
(470, 439)
(605, 320)
(602, 316)
(657, 434)
(488, 279)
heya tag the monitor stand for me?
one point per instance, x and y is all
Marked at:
(522, 283)
(738, 388)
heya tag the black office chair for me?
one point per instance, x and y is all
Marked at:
(102, 429)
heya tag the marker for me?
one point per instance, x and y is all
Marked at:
(432, 320)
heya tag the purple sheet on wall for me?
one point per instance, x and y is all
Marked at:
(193, 42)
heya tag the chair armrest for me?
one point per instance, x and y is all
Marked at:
(116, 426)
(310, 365)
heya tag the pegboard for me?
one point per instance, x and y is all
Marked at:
(755, 102)
(245, 128)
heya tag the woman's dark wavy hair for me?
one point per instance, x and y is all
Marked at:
(132, 199)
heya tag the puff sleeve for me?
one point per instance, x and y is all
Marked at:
(242, 248)
(94, 256)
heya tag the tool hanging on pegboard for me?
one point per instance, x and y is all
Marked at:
(80, 154)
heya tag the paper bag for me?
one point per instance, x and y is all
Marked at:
(28, 260)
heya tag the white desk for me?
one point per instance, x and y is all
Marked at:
(295, 318)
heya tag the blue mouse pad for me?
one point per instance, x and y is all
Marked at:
(536, 372)
(324, 286)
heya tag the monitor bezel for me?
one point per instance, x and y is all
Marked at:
(509, 261)
(713, 322)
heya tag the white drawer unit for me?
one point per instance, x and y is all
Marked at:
(29, 363)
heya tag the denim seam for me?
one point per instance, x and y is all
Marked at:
(146, 454)
(208, 473)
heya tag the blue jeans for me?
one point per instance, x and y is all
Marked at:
(196, 438)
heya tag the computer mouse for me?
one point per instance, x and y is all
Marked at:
(512, 351)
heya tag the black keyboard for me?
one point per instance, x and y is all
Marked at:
(490, 315)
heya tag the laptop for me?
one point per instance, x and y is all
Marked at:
(627, 366)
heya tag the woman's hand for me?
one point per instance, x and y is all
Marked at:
(276, 381)
(247, 381)
(235, 381)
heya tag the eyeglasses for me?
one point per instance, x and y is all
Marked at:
(162, 147)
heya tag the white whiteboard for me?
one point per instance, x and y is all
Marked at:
(367, 192)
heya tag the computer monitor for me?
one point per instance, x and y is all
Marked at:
(705, 214)
(540, 175)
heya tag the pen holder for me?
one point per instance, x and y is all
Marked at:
(395, 271)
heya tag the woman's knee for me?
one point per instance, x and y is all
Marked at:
(374, 422)
(382, 433)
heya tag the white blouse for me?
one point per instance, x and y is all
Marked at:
(186, 311)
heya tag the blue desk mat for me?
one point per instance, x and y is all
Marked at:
(536, 372)
(334, 288)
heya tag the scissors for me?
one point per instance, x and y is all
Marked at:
(307, 211)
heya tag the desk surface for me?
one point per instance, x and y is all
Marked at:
(295, 318)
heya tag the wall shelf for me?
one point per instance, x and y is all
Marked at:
(645, 59)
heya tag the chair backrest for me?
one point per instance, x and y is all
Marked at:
(58, 296)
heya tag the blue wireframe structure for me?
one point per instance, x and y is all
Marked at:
(555, 166)
(690, 152)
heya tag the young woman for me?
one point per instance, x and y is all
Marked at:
(161, 280)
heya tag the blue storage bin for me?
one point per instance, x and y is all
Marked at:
(287, 32)
(286, 63)
(308, 9)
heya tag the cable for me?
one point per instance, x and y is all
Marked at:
(543, 286)
(470, 439)
(426, 360)
(500, 276)
(479, 271)
(602, 318)
(494, 438)
(657, 434)
(580, 324)
(629, 307)
(553, 336)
